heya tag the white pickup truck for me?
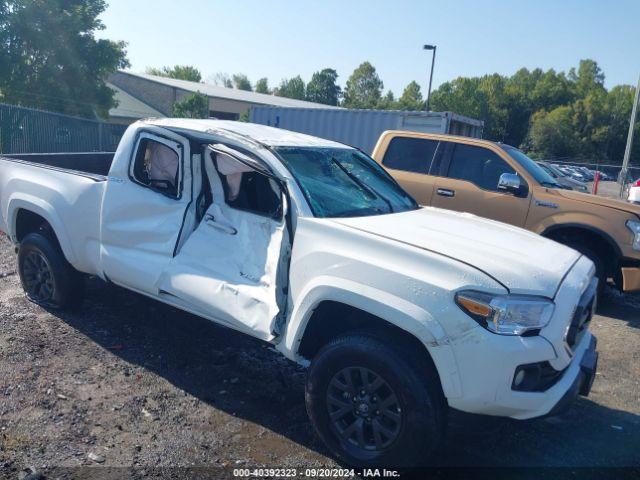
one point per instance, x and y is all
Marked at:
(400, 312)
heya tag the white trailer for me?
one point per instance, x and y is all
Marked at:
(362, 128)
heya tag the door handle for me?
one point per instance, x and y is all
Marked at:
(445, 192)
(211, 221)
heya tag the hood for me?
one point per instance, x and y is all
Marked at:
(603, 201)
(520, 260)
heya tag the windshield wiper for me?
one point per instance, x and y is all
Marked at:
(551, 184)
(358, 182)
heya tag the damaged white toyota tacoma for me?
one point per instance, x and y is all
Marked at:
(400, 312)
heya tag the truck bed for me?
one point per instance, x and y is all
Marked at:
(65, 190)
(94, 164)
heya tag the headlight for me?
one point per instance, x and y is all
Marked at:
(634, 226)
(506, 314)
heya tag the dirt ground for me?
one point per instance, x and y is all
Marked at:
(129, 382)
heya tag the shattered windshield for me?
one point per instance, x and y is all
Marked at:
(343, 182)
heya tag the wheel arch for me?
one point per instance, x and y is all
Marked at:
(320, 317)
(593, 237)
(30, 214)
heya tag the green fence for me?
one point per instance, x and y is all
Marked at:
(26, 130)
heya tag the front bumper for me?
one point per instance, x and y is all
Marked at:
(494, 395)
(583, 382)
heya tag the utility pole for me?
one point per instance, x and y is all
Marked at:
(627, 150)
(433, 60)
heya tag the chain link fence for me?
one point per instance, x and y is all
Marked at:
(27, 130)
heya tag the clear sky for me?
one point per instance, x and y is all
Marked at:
(280, 39)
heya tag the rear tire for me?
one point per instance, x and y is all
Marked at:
(46, 276)
(372, 406)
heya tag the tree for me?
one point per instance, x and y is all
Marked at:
(465, 97)
(388, 102)
(411, 98)
(527, 92)
(292, 88)
(222, 79)
(51, 59)
(181, 72)
(262, 86)
(507, 104)
(619, 103)
(588, 77)
(322, 88)
(241, 82)
(194, 105)
(551, 90)
(552, 134)
(364, 88)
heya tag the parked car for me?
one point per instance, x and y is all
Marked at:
(589, 175)
(572, 172)
(562, 178)
(399, 311)
(578, 174)
(500, 182)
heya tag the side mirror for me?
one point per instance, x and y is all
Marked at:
(509, 182)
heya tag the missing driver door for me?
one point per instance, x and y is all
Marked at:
(230, 268)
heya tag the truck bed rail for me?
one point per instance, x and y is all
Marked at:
(97, 163)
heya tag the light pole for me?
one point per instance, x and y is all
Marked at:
(627, 150)
(433, 60)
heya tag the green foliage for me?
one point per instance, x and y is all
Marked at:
(364, 88)
(223, 80)
(411, 98)
(619, 104)
(388, 102)
(477, 97)
(241, 82)
(552, 133)
(194, 105)
(51, 59)
(594, 126)
(262, 86)
(548, 113)
(323, 87)
(587, 78)
(292, 88)
(181, 72)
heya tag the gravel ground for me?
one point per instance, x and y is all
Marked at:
(129, 382)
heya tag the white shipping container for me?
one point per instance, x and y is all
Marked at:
(362, 128)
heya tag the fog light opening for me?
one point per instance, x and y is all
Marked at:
(519, 378)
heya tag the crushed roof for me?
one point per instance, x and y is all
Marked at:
(270, 136)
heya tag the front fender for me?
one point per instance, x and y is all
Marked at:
(397, 311)
(21, 200)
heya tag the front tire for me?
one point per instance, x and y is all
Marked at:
(372, 406)
(46, 276)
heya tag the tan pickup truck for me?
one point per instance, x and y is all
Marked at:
(500, 182)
